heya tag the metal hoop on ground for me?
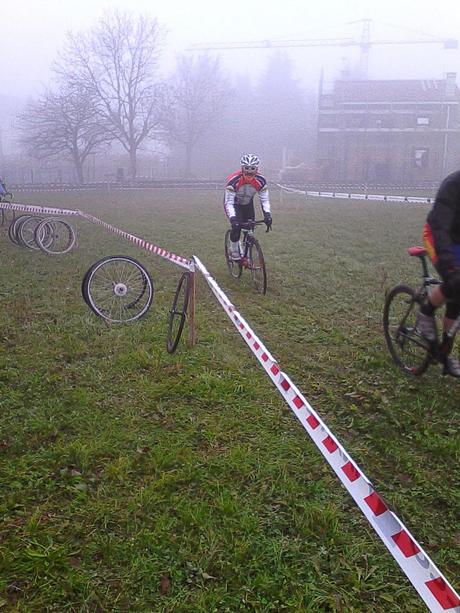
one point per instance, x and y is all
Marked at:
(118, 289)
(178, 313)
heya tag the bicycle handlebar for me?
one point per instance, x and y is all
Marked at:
(248, 225)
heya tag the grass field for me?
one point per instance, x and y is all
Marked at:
(133, 480)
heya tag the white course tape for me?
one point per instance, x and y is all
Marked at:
(421, 571)
(353, 196)
(167, 255)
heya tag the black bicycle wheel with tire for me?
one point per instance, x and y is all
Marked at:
(118, 289)
(54, 236)
(256, 265)
(234, 267)
(25, 232)
(178, 313)
(408, 348)
(13, 228)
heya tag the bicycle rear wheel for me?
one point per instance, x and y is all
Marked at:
(234, 267)
(256, 265)
(118, 289)
(408, 348)
(178, 313)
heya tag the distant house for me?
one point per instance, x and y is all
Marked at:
(394, 132)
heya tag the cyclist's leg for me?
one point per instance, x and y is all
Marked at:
(247, 214)
(235, 234)
(452, 312)
(451, 364)
(435, 298)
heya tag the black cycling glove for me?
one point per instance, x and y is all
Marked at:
(268, 221)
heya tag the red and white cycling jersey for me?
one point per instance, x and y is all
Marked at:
(240, 191)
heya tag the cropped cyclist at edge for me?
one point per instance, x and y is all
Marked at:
(441, 236)
(240, 190)
(3, 190)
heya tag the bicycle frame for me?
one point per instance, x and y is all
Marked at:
(247, 229)
(409, 349)
(250, 255)
(428, 280)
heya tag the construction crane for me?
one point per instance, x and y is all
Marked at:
(365, 44)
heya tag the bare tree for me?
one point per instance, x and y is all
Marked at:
(116, 63)
(285, 113)
(197, 96)
(63, 122)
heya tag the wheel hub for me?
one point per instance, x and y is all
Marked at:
(120, 289)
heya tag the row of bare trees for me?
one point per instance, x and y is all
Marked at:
(107, 89)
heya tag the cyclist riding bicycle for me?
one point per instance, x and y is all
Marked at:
(240, 190)
(3, 189)
(441, 236)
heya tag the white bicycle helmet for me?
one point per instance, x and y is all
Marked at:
(249, 159)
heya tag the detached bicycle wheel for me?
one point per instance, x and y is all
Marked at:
(408, 348)
(234, 267)
(54, 236)
(25, 232)
(13, 228)
(256, 265)
(178, 313)
(118, 289)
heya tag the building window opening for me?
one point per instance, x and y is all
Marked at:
(420, 158)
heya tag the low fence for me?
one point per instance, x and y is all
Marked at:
(218, 184)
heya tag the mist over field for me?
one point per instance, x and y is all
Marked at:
(267, 64)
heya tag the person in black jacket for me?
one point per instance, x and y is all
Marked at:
(441, 236)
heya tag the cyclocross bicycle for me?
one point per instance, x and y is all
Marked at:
(408, 348)
(252, 257)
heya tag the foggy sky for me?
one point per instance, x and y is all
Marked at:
(34, 30)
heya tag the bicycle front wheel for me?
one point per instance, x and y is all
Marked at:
(408, 348)
(178, 313)
(256, 265)
(234, 267)
(118, 289)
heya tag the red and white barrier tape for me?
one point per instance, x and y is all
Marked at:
(31, 208)
(167, 255)
(421, 571)
(353, 196)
